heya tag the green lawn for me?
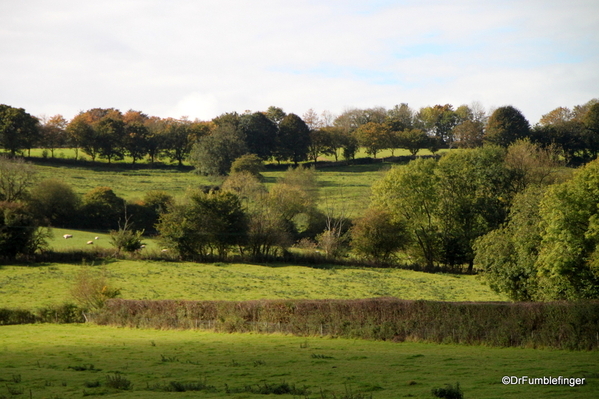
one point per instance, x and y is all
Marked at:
(66, 361)
(40, 285)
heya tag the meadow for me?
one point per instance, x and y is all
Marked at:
(43, 285)
(340, 185)
(64, 361)
(71, 361)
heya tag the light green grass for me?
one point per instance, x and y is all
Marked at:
(35, 286)
(45, 356)
(81, 238)
(344, 185)
(130, 184)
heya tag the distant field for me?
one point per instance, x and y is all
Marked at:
(71, 361)
(82, 237)
(344, 185)
(36, 286)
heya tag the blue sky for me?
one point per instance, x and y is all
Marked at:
(200, 59)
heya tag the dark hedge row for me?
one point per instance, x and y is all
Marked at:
(561, 325)
(67, 313)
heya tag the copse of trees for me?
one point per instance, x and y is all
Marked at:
(548, 248)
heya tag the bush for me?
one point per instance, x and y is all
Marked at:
(101, 208)
(118, 381)
(91, 290)
(19, 232)
(250, 163)
(54, 203)
(377, 237)
(449, 392)
(205, 227)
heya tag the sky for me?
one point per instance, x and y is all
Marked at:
(174, 58)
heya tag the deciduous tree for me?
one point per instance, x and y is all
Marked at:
(506, 125)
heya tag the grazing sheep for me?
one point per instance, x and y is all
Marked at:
(164, 250)
(142, 246)
(67, 236)
(90, 243)
(96, 238)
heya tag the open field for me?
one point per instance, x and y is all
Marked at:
(70, 361)
(49, 284)
(81, 237)
(344, 184)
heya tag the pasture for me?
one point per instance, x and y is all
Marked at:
(42, 285)
(71, 361)
(347, 186)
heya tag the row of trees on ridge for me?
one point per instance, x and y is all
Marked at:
(275, 135)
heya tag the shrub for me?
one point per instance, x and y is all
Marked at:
(207, 226)
(250, 163)
(54, 203)
(19, 232)
(377, 237)
(92, 290)
(118, 381)
(125, 239)
(101, 208)
(449, 392)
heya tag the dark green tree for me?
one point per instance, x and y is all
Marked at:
(111, 138)
(293, 139)
(508, 254)
(19, 232)
(101, 209)
(260, 134)
(410, 195)
(413, 140)
(207, 225)
(506, 125)
(18, 129)
(54, 203)
(135, 140)
(177, 139)
(438, 121)
(214, 154)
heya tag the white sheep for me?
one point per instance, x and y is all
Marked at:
(90, 243)
(67, 236)
(96, 238)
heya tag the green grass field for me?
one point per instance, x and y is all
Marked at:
(346, 187)
(49, 284)
(68, 361)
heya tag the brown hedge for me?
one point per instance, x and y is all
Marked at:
(561, 325)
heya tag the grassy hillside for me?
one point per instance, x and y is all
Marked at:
(349, 185)
(68, 361)
(34, 286)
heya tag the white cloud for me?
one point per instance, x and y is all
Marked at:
(204, 58)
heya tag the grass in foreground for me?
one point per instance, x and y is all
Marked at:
(34, 286)
(68, 361)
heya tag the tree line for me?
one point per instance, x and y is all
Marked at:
(211, 146)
